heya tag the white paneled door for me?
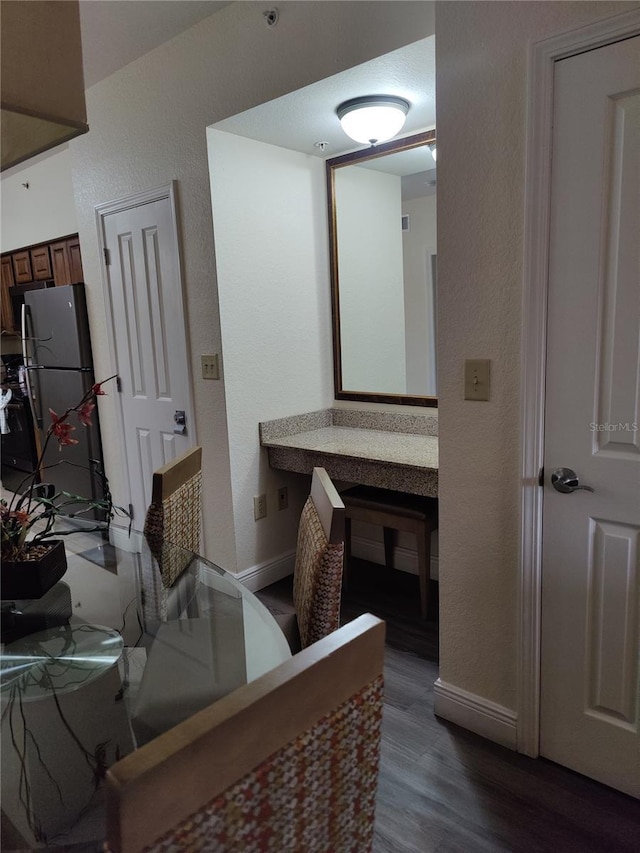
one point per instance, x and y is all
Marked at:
(144, 294)
(590, 688)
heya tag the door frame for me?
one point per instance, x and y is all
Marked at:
(542, 57)
(168, 192)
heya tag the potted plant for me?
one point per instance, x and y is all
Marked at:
(32, 559)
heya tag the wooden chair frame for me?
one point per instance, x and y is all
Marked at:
(329, 505)
(176, 473)
(153, 789)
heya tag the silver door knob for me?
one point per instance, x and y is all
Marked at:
(180, 421)
(565, 480)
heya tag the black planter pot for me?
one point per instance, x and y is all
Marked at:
(32, 578)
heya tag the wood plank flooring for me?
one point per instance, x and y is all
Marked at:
(441, 788)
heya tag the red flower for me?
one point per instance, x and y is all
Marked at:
(97, 390)
(21, 517)
(84, 413)
(61, 429)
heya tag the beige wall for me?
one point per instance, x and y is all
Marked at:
(45, 209)
(275, 318)
(147, 127)
(481, 64)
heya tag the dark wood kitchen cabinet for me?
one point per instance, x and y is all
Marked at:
(67, 261)
(75, 260)
(41, 263)
(8, 278)
(8, 281)
(22, 267)
(58, 261)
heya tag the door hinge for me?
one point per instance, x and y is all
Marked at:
(118, 384)
(107, 256)
(541, 477)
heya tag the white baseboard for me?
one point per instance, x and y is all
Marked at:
(473, 712)
(254, 578)
(404, 559)
(257, 577)
(263, 574)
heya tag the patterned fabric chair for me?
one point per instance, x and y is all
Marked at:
(317, 577)
(175, 512)
(287, 763)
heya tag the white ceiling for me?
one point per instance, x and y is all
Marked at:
(115, 32)
(302, 118)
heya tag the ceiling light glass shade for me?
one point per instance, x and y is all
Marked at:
(373, 118)
(432, 148)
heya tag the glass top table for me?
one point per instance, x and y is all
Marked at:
(105, 661)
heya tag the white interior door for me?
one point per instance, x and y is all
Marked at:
(590, 691)
(144, 292)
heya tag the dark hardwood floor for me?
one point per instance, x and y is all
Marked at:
(441, 788)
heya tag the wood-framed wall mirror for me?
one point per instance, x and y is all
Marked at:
(382, 242)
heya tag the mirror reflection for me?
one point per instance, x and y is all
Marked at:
(383, 258)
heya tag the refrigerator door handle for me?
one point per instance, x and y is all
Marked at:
(37, 419)
(37, 416)
(23, 325)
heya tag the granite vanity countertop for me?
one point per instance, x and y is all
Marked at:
(390, 451)
(395, 448)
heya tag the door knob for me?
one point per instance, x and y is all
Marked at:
(565, 480)
(180, 421)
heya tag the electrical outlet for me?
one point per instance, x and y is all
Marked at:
(259, 507)
(210, 366)
(283, 497)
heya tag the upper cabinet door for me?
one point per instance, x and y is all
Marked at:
(22, 267)
(60, 261)
(7, 320)
(75, 261)
(8, 278)
(41, 263)
(67, 261)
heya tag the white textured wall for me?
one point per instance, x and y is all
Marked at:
(369, 239)
(147, 126)
(417, 244)
(44, 211)
(481, 96)
(270, 233)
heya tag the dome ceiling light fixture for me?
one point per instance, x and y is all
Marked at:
(373, 118)
(432, 148)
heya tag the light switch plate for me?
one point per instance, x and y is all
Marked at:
(476, 379)
(210, 367)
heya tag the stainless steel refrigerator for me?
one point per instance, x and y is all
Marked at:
(59, 367)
